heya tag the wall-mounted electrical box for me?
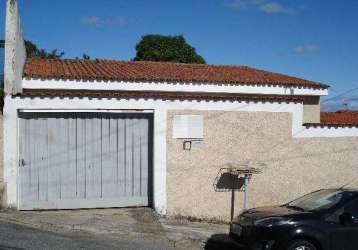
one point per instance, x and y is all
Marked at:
(188, 127)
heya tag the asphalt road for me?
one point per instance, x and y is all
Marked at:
(18, 237)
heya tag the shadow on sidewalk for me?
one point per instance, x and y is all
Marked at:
(3, 247)
(222, 242)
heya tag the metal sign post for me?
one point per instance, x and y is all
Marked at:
(239, 176)
(246, 191)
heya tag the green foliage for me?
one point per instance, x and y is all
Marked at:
(86, 57)
(166, 49)
(33, 51)
(1, 99)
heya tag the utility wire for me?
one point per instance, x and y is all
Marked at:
(339, 95)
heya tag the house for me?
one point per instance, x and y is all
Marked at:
(104, 133)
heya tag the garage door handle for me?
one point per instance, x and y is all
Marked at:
(22, 163)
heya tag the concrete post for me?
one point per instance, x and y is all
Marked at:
(15, 52)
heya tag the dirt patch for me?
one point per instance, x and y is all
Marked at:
(144, 215)
(180, 219)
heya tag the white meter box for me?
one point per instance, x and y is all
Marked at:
(188, 127)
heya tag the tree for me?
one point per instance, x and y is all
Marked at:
(86, 57)
(33, 51)
(166, 49)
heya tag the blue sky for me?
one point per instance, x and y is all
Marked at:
(316, 40)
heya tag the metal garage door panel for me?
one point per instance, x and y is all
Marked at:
(68, 166)
(109, 158)
(144, 157)
(93, 157)
(55, 155)
(84, 160)
(121, 162)
(81, 159)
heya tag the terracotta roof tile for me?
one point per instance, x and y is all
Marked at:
(337, 119)
(158, 95)
(111, 70)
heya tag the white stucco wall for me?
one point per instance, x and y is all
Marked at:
(291, 167)
(160, 108)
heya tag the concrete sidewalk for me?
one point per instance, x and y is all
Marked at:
(124, 223)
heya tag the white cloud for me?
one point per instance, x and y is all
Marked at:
(239, 4)
(90, 20)
(262, 5)
(273, 8)
(307, 49)
(100, 22)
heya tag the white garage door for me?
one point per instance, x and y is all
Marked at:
(85, 160)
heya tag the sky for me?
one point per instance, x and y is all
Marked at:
(311, 39)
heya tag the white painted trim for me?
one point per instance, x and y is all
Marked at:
(170, 86)
(326, 131)
(85, 111)
(160, 108)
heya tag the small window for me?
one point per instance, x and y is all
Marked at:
(188, 126)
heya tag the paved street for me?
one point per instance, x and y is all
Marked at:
(127, 228)
(15, 236)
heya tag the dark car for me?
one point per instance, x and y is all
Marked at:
(323, 220)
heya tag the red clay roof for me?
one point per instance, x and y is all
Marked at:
(158, 95)
(337, 119)
(111, 70)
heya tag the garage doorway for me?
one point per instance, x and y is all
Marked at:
(85, 160)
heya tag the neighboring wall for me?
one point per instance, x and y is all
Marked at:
(311, 109)
(1, 162)
(1, 151)
(294, 166)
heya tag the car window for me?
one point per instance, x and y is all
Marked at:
(352, 208)
(321, 200)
